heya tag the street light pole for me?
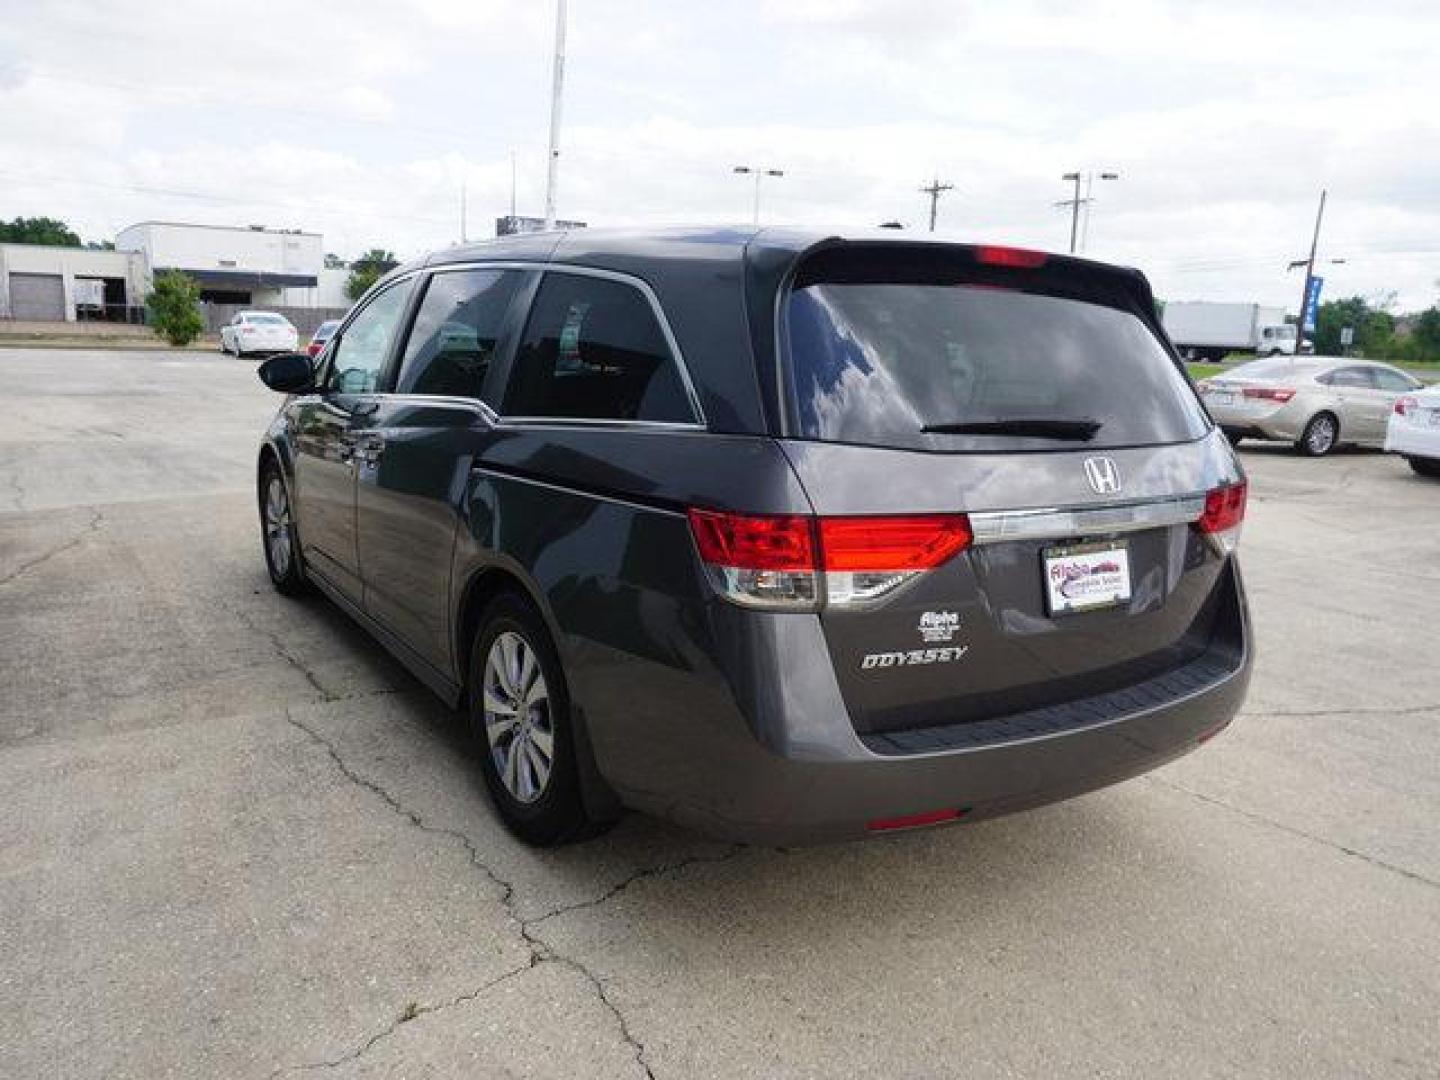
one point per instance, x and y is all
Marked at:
(1090, 203)
(758, 172)
(556, 90)
(1074, 208)
(1309, 274)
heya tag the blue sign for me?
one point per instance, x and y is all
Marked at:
(1312, 302)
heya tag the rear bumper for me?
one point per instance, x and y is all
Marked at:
(1413, 440)
(1263, 422)
(796, 772)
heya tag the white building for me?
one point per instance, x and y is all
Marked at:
(59, 284)
(251, 266)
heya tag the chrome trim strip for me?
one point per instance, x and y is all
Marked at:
(1054, 523)
(567, 490)
(584, 422)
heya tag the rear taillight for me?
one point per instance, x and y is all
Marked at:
(1405, 404)
(313, 349)
(798, 562)
(1223, 515)
(1269, 393)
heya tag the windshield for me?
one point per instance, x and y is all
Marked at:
(965, 367)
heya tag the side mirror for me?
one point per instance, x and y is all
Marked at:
(288, 373)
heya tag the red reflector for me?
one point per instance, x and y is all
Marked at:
(1019, 258)
(913, 821)
(892, 543)
(1404, 405)
(1268, 393)
(1224, 509)
(749, 542)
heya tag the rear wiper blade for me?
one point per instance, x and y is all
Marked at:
(1039, 428)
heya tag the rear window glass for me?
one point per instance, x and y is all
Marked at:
(1268, 369)
(267, 320)
(878, 363)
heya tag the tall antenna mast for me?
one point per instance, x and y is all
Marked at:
(556, 90)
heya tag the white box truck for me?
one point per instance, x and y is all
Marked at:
(1207, 330)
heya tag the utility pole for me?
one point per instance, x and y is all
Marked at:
(512, 183)
(1309, 274)
(556, 90)
(1074, 204)
(462, 207)
(1077, 201)
(758, 172)
(935, 190)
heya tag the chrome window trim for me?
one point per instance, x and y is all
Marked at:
(1049, 523)
(672, 343)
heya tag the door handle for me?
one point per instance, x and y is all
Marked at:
(370, 449)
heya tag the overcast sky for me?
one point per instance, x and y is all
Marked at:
(358, 120)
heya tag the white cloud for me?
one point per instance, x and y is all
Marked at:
(359, 120)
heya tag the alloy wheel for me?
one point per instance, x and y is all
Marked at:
(518, 724)
(277, 526)
(1320, 436)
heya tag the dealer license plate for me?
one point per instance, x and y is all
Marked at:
(1085, 577)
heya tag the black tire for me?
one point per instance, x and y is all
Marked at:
(278, 538)
(1321, 435)
(1425, 466)
(554, 813)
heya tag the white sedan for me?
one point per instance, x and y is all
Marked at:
(258, 332)
(1414, 430)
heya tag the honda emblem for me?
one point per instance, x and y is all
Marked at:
(1103, 474)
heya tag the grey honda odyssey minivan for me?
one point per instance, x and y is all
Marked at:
(783, 536)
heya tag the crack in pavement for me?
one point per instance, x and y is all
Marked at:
(411, 1013)
(1261, 819)
(13, 479)
(541, 950)
(327, 696)
(640, 875)
(1396, 710)
(97, 518)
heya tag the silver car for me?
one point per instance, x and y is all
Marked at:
(1317, 403)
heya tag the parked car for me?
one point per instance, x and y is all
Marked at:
(321, 336)
(777, 535)
(1414, 430)
(258, 332)
(1317, 403)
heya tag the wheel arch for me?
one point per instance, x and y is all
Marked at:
(484, 583)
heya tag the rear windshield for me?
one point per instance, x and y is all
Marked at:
(878, 363)
(267, 320)
(1270, 369)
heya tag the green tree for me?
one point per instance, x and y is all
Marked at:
(174, 308)
(368, 269)
(1374, 327)
(1426, 333)
(40, 230)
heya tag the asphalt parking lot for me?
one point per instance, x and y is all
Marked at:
(239, 841)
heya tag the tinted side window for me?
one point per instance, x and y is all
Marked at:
(1351, 376)
(356, 361)
(592, 349)
(1392, 380)
(453, 340)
